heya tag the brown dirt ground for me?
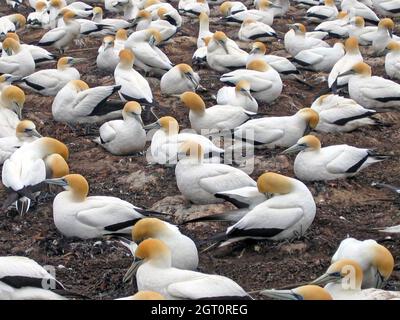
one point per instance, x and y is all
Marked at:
(351, 208)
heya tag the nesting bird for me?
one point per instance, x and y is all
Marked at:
(19, 61)
(272, 132)
(49, 82)
(126, 136)
(199, 181)
(78, 215)
(108, 55)
(252, 30)
(314, 163)
(265, 82)
(77, 103)
(12, 101)
(239, 95)
(179, 79)
(218, 117)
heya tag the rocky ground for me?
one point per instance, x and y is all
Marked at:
(95, 268)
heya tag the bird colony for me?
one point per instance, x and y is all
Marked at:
(122, 128)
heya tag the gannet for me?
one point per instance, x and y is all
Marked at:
(200, 55)
(382, 36)
(78, 7)
(18, 62)
(78, 215)
(61, 37)
(336, 28)
(359, 9)
(49, 82)
(219, 117)
(239, 95)
(22, 278)
(263, 14)
(14, 3)
(279, 9)
(252, 30)
(320, 59)
(392, 60)
(228, 8)
(295, 40)
(148, 56)
(274, 132)
(40, 18)
(114, 23)
(265, 82)
(357, 29)
(280, 64)
(133, 85)
(375, 260)
(6, 80)
(307, 292)
(325, 12)
(339, 114)
(199, 182)
(183, 250)
(387, 8)
(204, 30)
(12, 101)
(26, 167)
(77, 103)
(25, 133)
(343, 281)
(179, 79)
(38, 54)
(108, 55)
(116, 135)
(177, 284)
(372, 91)
(351, 57)
(120, 38)
(286, 215)
(144, 21)
(223, 54)
(11, 23)
(314, 163)
(195, 8)
(166, 141)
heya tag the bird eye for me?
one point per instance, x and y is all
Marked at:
(28, 130)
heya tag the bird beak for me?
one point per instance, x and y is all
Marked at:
(294, 149)
(35, 133)
(347, 73)
(78, 60)
(281, 294)
(152, 41)
(139, 118)
(18, 110)
(192, 79)
(223, 45)
(247, 94)
(273, 5)
(154, 125)
(391, 33)
(327, 278)
(254, 50)
(58, 182)
(8, 51)
(132, 270)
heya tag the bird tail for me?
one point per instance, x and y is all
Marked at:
(375, 157)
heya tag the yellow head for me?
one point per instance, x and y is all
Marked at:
(220, 36)
(13, 98)
(242, 85)
(257, 65)
(78, 185)
(359, 21)
(193, 101)
(383, 260)
(312, 292)
(147, 295)
(56, 3)
(275, 183)
(149, 3)
(362, 68)
(225, 8)
(98, 11)
(26, 128)
(309, 115)
(329, 3)
(386, 23)
(51, 145)
(193, 149)
(351, 45)
(65, 62)
(156, 35)
(259, 47)
(342, 15)
(184, 68)
(121, 34)
(310, 142)
(299, 28)
(13, 35)
(40, 6)
(68, 16)
(148, 228)
(132, 107)
(169, 125)
(18, 19)
(126, 57)
(152, 249)
(394, 46)
(161, 12)
(143, 14)
(79, 85)
(11, 46)
(203, 17)
(56, 165)
(348, 269)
